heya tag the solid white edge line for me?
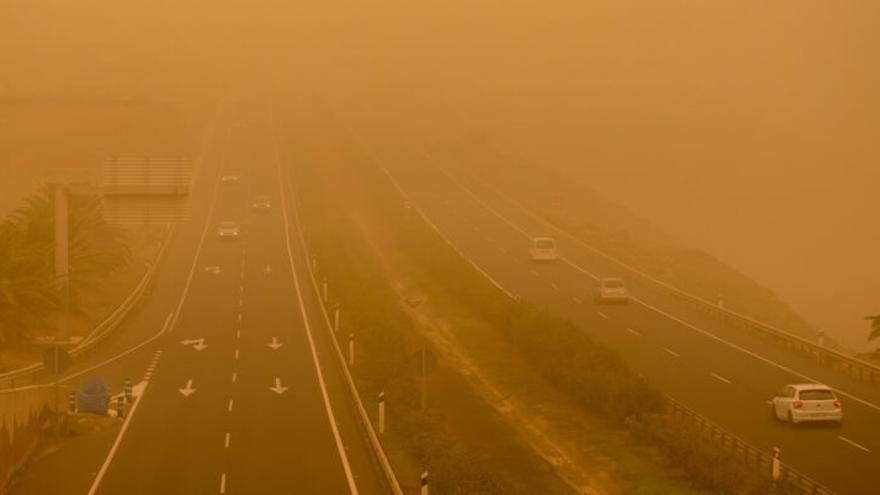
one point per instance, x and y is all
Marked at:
(603, 315)
(116, 443)
(671, 352)
(320, 374)
(854, 444)
(630, 330)
(720, 378)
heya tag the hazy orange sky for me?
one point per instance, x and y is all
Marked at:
(746, 127)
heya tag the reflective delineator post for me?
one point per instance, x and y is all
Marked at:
(821, 338)
(351, 349)
(424, 483)
(71, 403)
(777, 467)
(336, 318)
(325, 291)
(120, 407)
(720, 301)
(127, 388)
(381, 412)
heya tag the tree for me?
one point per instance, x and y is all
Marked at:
(875, 326)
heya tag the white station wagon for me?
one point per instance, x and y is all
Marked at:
(806, 402)
(543, 249)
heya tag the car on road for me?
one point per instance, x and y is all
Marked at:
(261, 203)
(228, 230)
(611, 290)
(543, 249)
(229, 178)
(806, 402)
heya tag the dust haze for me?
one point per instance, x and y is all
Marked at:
(747, 128)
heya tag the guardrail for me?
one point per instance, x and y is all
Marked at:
(857, 368)
(105, 327)
(785, 478)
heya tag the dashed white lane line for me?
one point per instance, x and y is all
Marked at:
(555, 287)
(503, 249)
(241, 288)
(602, 315)
(229, 406)
(239, 317)
(240, 301)
(720, 378)
(226, 443)
(533, 272)
(854, 444)
(671, 352)
(238, 334)
(223, 483)
(577, 299)
(236, 354)
(630, 330)
(234, 376)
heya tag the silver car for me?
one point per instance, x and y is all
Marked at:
(228, 230)
(806, 402)
(611, 290)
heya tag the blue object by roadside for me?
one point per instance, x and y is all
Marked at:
(93, 397)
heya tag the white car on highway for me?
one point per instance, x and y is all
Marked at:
(611, 290)
(228, 230)
(806, 402)
(543, 249)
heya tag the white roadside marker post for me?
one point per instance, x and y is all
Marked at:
(351, 349)
(424, 483)
(127, 389)
(71, 403)
(120, 407)
(821, 338)
(381, 412)
(336, 318)
(777, 467)
(325, 291)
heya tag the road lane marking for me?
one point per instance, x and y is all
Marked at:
(236, 354)
(226, 443)
(103, 471)
(854, 444)
(240, 301)
(720, 378)
(533, 272)
(238, 334)
(630, 330)
(328, 408)
(577, 299)
(234, 376)
(502, 249)
(229, 406)
(555, 287)
(671, 352)
(223, 483)
(239, 316)
(601, 314)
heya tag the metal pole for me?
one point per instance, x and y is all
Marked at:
(62, 258)
(423, 381)
(381, 412)
(351, 349)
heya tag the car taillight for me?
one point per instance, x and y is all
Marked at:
(797, 404)
(836, 402)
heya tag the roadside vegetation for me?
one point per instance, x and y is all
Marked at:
(29, 299)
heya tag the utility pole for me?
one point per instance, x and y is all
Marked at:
(62, 257)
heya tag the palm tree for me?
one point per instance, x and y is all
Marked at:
(875, 326)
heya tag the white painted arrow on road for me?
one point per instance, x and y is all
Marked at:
(197, 344)
(275, 345)
(278, 389)
(189, 390)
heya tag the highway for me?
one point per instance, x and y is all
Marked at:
(240, 389)
(719, 371)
